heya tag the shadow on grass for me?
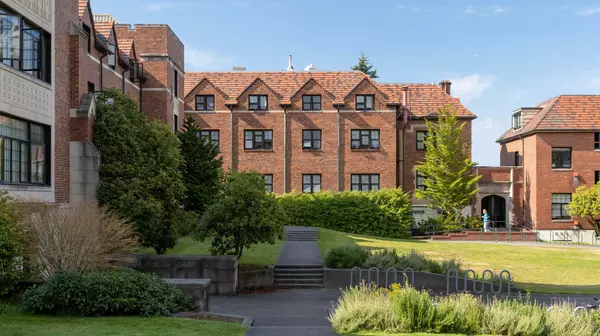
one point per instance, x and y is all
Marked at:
(557, 289)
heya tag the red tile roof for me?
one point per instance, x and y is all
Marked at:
(565, 112)
(125, 46)
(82, 5)
(423, 99)
(103, 30)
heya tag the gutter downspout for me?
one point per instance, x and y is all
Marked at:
(231, 136)
(524, 177)
(123, 78)
(285, 171)
(102, 72)
(339, 150)
(404, 125)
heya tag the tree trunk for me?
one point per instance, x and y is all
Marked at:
(592, 221)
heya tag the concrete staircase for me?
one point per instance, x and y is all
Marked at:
(295, 276)
(299, 264)
(298, 234)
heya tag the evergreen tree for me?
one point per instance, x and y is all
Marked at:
(139, 170)
(449, 182)
(200, 168)
(365, 66)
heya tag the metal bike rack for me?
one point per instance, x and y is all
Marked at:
(482, 282)
(377, 281)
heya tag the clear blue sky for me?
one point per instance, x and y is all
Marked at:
(500, 55)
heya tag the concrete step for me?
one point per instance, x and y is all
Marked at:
(299, 282)
(299, 270)
(298, 276)
(298, 267)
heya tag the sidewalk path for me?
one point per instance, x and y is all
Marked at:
(299, 252)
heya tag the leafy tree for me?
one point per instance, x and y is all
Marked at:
(586, 204)
(200, 167)
(139, 170)
(365, 66)
(449, 183)
(243, 214)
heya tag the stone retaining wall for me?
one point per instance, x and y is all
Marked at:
(256, 279)
(221, 270)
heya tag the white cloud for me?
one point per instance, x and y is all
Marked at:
(205, 60)
(470, 10)
(589, 11)
(158, 6)
(486, 123)
(498, 9)
(471, 87)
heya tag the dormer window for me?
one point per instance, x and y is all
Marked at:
(258, 103)
(516, 121)
(365, 102)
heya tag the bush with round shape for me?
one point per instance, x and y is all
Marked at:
(514, 317)
(346, 256)
(12, 246)
(106, 293)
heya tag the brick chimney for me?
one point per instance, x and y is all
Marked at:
(445, 85)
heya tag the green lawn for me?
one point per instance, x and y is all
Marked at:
(543, 269)
(261, 254)
(19, 324)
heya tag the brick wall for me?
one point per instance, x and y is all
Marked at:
(585, 161)
(494, 174)
(66, 13)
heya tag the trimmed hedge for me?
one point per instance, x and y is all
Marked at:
(106, 293)
(384, 213)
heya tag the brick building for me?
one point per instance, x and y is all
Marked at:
(557, 146)
(313, 130)
(143, 61)
(54, 56)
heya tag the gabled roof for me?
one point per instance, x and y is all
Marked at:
(561, 113)
(423, 99)
(126, 46)
(103, 30)
(82, 5)
(285, 83)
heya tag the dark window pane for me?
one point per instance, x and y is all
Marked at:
(10, 40)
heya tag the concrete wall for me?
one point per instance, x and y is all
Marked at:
(436, 283)
(569, 236)
(256, 279)
(85, 171)
(221, 270)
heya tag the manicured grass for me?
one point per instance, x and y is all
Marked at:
(261, 254)
(19, 324)
(543, 269)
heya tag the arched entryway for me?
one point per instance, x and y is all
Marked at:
(496, 208)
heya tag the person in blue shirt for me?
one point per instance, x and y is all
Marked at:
(486, 221)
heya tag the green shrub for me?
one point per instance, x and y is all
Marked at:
(514, 317)
(414, 309)
(347, 256)
(383, 259)
(106, 293)
(384, 213)
(363, 308)
(562, 322)
(459, 314)
(12, 246)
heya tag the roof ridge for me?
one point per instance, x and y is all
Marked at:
(545, 113)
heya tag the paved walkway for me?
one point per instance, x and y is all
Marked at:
(531, 244)
(299, 252)
(291, 312)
